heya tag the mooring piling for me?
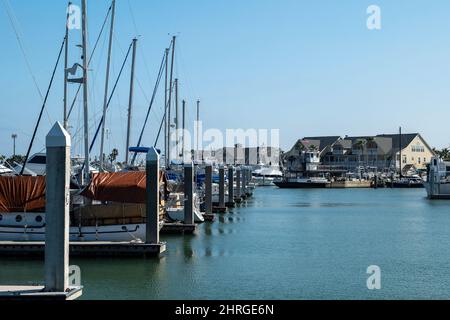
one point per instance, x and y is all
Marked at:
(152, 190)
(230, 202)
(189, 193)
(57, 219)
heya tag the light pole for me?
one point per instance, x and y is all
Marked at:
(14, 137)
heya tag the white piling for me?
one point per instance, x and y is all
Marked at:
(57, 210)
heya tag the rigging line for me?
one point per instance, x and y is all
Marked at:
(89, 62)
(43, 107)
(9, 12)
(155, 89)
(144, 59)
(15, 25)
(110, 97)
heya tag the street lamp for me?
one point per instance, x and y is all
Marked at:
(14, 137)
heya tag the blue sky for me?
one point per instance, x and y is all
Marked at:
(305, 67)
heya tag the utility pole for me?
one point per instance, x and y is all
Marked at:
(66, 57)
(85, 92)
(14, 137)
(105, 97)
(130, 101)
(170, 101)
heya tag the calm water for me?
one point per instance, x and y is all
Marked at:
(286, 244)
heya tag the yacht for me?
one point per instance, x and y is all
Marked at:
(303, 182)
(266, 176)
(408, 182)
(5, 170)
(438, 179)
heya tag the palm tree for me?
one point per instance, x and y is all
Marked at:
(113, 155)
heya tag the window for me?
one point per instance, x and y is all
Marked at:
(18, 218)
(424, 160)
(1, 217)
(38, 219)
(418, 159)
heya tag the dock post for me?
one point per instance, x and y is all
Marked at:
(238, 185)
(152, 195)
(244, 183)
(188, 193)
(57, 196)
(221, 187)
(208, 189)
(230, 202)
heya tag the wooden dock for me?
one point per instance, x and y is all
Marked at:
(94, 248)
(15, 293)
(178, 228)
(351, 184)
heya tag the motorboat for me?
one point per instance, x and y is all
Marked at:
(303, 182)
(266, 176)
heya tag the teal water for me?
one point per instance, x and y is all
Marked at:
(286, 244)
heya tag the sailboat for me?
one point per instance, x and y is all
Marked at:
(98, 211)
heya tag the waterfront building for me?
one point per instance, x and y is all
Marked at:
(375, 153)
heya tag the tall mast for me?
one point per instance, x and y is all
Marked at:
(169, 120)
(400, 150)
(184, 128)
(130, 101)
(197, 128)
(165, 105)
(176, 119)
(66, 57)
(85, 92)
(105, 97)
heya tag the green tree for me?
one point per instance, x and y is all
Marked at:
(444, 154)
(15, 159)
(113, 155)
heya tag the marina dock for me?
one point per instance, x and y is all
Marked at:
(92, 248)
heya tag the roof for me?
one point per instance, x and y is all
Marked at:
(406, 139)
(324, 141)
(345, 143)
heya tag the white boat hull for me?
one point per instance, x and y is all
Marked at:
(113, 233)
(177, 214)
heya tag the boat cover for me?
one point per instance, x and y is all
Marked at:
(22, 194)
(122, 187)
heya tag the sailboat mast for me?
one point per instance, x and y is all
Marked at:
(184, 129)
(66, 57)
(197, 128)
(85, 92)
(176, 119)
(105, 98)
(130, 101)
(165, 104)
(400, 150)
(169, 120)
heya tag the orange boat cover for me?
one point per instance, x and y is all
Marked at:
(22, 194)
(123, 187)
